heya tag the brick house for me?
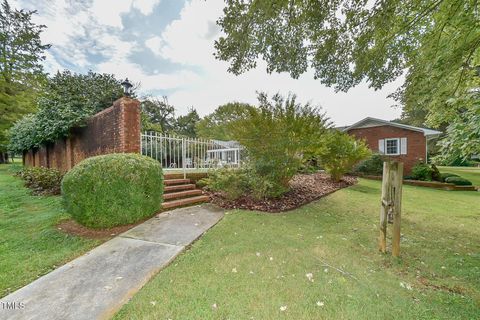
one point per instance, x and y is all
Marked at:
(404, 143)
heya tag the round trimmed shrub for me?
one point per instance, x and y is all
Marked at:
(112, 190)
(459, 181)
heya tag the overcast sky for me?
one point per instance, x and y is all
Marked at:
(167, 46)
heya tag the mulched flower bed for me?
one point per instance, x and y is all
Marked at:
(304, 189)
(73, 228)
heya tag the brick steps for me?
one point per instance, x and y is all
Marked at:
(184, 202)
(178, 187)
(181, 192)
(171, 182)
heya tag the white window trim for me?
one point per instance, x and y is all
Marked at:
(398, 147)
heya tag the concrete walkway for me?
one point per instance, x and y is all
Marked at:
(97, 284)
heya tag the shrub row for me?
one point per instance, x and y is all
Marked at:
(41, 180)
(459, 181)
(421, 171)
(424, 172)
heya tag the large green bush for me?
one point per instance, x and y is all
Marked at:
(67, 101)
(422, 171)
(111, 190)
(278, 136)
(342, 152)
(373, 165)
(232, 183)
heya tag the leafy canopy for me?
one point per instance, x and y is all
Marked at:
(462, 140)
(185, 125)
(68, 101)
(346, 42)
(21, 73)
(157, 115)
(216, 125)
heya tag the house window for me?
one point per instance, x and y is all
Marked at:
(392, 146)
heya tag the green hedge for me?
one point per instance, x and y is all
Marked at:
(459, 181)
(372, 165)
(111, 190)
(422, 171)
(446, 175)
(41, 180)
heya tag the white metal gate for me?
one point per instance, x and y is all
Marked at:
(180, 153)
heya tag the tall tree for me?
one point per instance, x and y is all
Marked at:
(185, 125)
(157, 115)
(346, 42)
(21, 73)
(68, 100)
(216, 125)
(462, 140)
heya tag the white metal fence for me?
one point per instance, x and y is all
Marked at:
(179, 153)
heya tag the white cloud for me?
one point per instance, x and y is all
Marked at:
(188, 40)
(50, 64)
(109, 12)
(79, 29)
(145, 6)
(154, 44)
(120, 65)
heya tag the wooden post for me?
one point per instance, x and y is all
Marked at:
(397, 179)
(382, 241)
(391, 202)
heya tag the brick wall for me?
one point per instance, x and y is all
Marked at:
(113, 130)
(416, 143)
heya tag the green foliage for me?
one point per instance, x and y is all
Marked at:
(25, 134)
(185, 125)
(372, 165)
(111, 190)
(459, 181)
(451, 160)
(310, 165)
(422, 171)
(462, 139)
(446, 175)
(342, 152)
(276, 136)
(68, 101)
(232, 183)
(42, 180)
(436, 44)
(21, 73)
(157, 115)
(436, 175)
(217, 125)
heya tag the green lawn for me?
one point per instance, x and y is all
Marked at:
(30, 245)
(470, 173)
(250, 265)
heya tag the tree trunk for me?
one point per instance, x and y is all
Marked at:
(3, 157)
